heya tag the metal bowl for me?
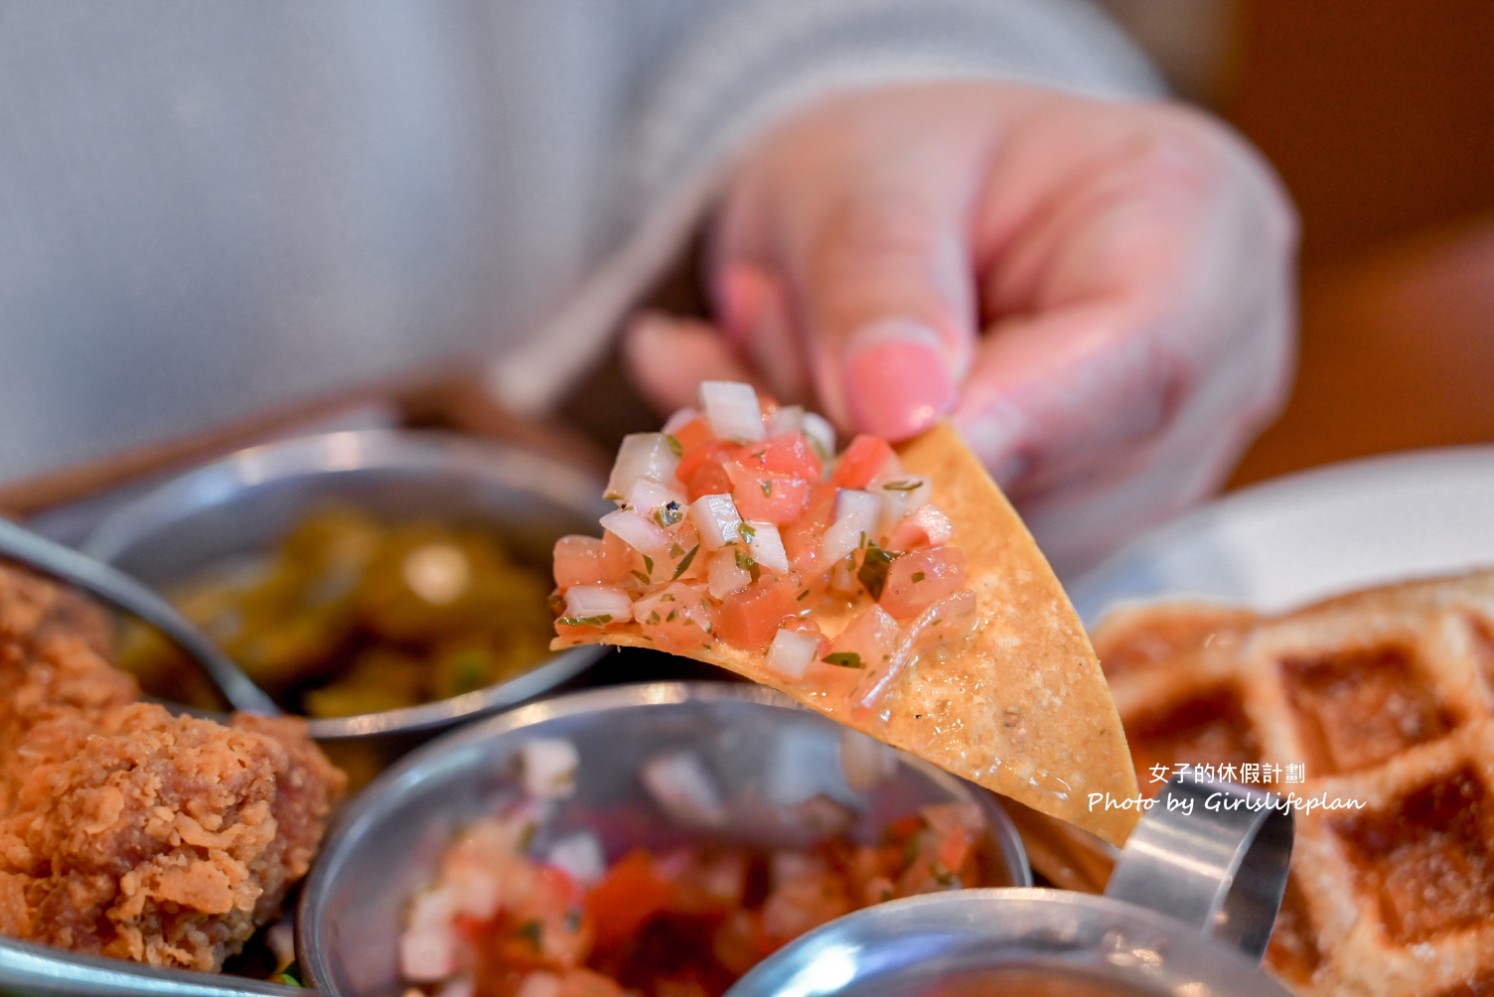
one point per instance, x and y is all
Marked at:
(1188, 910)
(240, 506)
(766, 755)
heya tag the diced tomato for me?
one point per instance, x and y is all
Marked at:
(625, 900)
(692, 436)
(920, 578)
(749, 619)
(863, 460)
(801, 538)
(703, 472)
(765, 497)
(802, 903)
(546, 927)
(866, 643)
(790, 456)
(715, 883)
(591, 561)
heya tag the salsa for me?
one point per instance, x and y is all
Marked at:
(738, 527)
(683, 922)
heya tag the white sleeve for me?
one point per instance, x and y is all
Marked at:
(755, 60)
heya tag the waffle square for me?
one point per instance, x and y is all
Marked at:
(1375, 710)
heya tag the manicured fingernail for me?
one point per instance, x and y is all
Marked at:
(896, 379)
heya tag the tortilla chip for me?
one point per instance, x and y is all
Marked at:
(1021, 706)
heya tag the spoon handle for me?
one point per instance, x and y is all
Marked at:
(120, 590)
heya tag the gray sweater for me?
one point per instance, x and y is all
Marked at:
(208, 209)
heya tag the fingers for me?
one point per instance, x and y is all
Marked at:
(753, 309)
(668, 357)
(867, 233)
(1154, 300)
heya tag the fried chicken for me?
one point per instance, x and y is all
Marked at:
(125, 830)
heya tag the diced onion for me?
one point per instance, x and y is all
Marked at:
(581, 855)
(792, 652)
(726, 576)
(647, 495)
(547, 766)
(857, 514)
(716, 519)
(680, 419)
(732, 409)
(951, 612)
(427, 955)
(820, 433)
(636, 530)
(642, 455)
(787, 419)
(591, 601)
(901, 495)
(680, 784)
(765, 544)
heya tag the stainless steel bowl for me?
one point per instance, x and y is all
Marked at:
(1188, 911)
(241, 505)
(765, 755)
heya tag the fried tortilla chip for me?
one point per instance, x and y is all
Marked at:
(1020, 706)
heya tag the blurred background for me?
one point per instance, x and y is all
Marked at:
(1379, 116)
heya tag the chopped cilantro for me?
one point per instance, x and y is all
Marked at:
(586, 621)
(641, 577)
(903, 486)
(674, 444)
(919, 576)
(675, 550)
(747, 564)
(612, 496)
(648, 564)
(767, 486)
(873, 571)
(680, 568)
(802, 596)
(747, 532)
(673, 615)
(653, 618)
(285, 979)
(531, 931)
(843, 659)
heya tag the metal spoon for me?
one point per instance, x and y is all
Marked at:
(123, 592)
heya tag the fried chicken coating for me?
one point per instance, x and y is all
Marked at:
(127, 831)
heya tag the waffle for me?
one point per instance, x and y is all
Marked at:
(1384, 698)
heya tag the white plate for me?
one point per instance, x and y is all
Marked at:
(1299, 538)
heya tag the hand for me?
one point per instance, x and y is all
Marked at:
(1100, 294)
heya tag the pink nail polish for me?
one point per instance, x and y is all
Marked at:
(897, 382)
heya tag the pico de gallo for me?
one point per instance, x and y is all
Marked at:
(738, 527)
(683, 922)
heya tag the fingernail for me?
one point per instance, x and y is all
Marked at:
(896, 379)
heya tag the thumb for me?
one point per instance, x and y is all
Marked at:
(883, 282)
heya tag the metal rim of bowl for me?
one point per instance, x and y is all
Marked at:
(1096, 938)
(363, 813)
(361, 451)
